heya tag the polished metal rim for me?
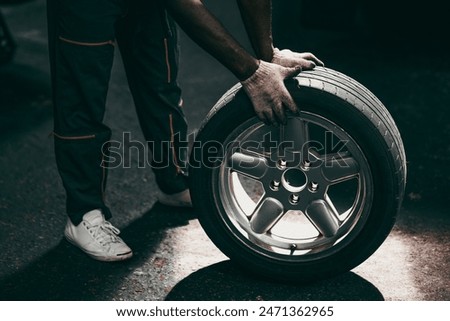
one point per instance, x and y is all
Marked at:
(297, 192)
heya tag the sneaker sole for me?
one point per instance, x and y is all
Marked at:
(117, 258)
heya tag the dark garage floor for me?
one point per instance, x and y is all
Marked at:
(174, 259)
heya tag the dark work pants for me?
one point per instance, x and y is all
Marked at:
(82, 37)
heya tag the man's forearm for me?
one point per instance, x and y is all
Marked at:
(257, 17)
(208, 32)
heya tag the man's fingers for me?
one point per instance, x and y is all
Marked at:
(262, 116)
(318, 62)
(285, 95)
(291, 72)
(312, 57)
(271, 120)
(289, 102)
(280, 115)
(288, 58)
(311, 65)
(267, 114)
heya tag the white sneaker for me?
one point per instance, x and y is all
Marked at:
(181, 199)
(97, 238)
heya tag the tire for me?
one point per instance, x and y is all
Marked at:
(308, 200)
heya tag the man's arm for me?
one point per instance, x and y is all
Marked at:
(257, 17)
(262, 81)
(198, 22)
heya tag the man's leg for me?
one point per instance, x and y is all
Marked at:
(81, 41)
(147, 38)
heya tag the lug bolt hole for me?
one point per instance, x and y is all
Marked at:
(306, 164)
(281, 163)
(293, 198)
(313, 186)
(274, 185)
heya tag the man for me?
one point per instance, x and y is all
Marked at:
(82, 37)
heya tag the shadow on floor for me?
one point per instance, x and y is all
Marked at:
(226, 282)
(65, 273)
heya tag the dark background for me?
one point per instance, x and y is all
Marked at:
(398, 49)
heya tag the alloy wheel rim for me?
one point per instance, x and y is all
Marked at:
(278, 196)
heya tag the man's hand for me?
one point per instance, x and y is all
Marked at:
(288, 58)
(268, 94)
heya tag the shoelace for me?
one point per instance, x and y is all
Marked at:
(106, 233)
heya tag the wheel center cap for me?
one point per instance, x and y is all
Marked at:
(294, 180)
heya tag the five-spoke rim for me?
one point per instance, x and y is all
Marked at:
(289, 192)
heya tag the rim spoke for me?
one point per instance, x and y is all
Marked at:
(295, 135)
(266, 215)
(337, 168)
(324, 217)
(331, 206)
(245, 201)
(271, 140)
(248, 165)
